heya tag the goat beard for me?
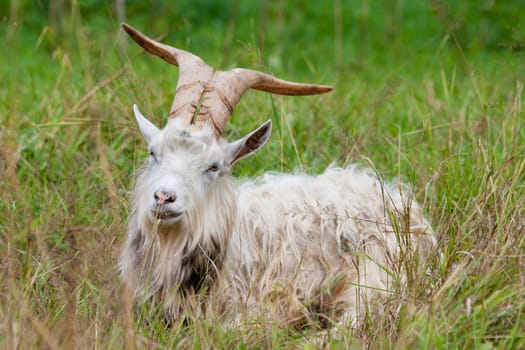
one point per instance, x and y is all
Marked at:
(168, 263)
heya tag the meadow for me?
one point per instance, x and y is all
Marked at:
(430, 92)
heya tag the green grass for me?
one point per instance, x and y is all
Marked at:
(427, 92)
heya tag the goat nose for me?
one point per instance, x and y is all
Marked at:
(162, 197)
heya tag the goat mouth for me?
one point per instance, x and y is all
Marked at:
(165, 214)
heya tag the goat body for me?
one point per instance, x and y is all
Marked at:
(292, 247)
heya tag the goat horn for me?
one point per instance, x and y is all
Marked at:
(205, 95)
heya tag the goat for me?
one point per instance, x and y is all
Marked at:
(300, 248)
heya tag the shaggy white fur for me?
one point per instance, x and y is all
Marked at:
(291, 247)
(324, 244)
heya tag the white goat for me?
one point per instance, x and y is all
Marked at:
(288, 246)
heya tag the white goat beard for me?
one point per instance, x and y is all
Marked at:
(320, 245)
(161, 263)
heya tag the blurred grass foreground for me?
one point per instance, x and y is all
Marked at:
(426, 91)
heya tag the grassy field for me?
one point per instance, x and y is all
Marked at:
(428, 92)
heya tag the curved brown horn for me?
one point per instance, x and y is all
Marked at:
(265, 82)
(193, 73)
(204, 95)
(226, 89)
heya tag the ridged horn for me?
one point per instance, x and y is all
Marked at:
(205, 95)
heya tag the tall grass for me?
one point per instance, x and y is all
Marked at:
(413, 95)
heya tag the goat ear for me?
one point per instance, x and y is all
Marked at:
(147, 128)
(249, 144)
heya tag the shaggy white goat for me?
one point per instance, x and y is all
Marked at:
(288, 246)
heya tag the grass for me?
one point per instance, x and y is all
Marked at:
(419, 93)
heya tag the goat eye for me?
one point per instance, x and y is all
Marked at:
(213, 168)
(152, 155)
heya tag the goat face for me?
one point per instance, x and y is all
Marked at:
(185, 167)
